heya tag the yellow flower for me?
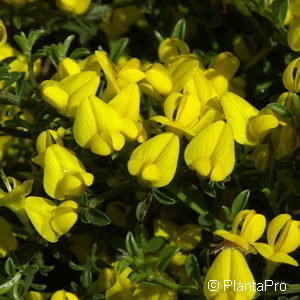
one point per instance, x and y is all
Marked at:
(211, 151)
(3, 34)
(293, 36)
(248, 124)
(46, 139)
(182, 68)
(51, 221)
(170, 48)
(127, 104)
(155, 161)
(252, 229)
(67, 67)
(164, 228)
(118, 79)
(76, 7)
(15, 197)
(63, 295)
(182, 113)
(283, 237)
(98, 127)
(8, 241)
(33, 295)
(64, 174)
(159, 78)
(199, 85)
(106, 279)
(291, 76)
(66, 95)
(122, 288)
(228, 268)
(225, 64)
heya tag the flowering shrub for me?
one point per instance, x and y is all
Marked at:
(149, 149)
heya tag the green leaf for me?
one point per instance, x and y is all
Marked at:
(158, 35)
(75, 266)
(239, 202)
(5, 287)
(192, 268)
(118, 48)
(122, 265)
(179, 30)
(86, 278)
(156, 243)
(165, 257)
(79, 53)
(208, 188)
(281, 111)
(22, 42)
(31, 270)
(206, 221)
(13, 77)
(17, 21)
(9, 267)
(132, 247)
(280, 9)
(34, 36)
(226, 211)
(38, 287)
(136, 277)
(95, 216)
(163, 197)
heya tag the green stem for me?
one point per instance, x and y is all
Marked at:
(31, 72)
(188, 290)
(270, 269)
